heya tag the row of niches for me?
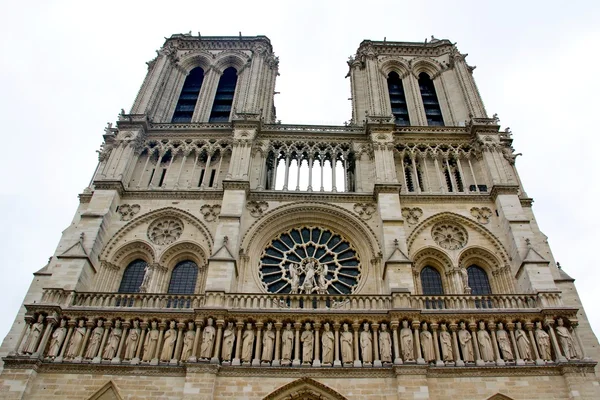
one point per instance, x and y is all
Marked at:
(358, 343)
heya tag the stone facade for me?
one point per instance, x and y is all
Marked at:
(219, 254)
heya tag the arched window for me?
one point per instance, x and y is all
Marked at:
(183, 278)
(478, 280)
(221, 108)
(189, 96)
(133, 277)
(431, 104)
(431, 281)
(397, 99)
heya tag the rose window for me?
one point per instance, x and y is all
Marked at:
(165, 231)
(449, 236)
(310, 260)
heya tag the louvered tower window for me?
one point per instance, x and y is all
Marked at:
(431, 104)
(431, 281)
(183, 278)
(478, 280)
(133, 277)
(397, 99)
(221, 108)
(189, 96)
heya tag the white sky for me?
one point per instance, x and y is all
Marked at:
(67, 68)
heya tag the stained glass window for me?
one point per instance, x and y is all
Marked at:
(133, 277)
(183, 278)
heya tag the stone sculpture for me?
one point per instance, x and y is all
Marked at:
(169, 339)
(34, 334)
(466, 344)
(228, 339)
(327, 340)
(57, 339)
(543, 341)
(308, 342)
(427, 344)
(268, 343)
(366, 344)
(151, 342)
(294, 278)
(247, 343)
(486, 351)
(76, 340)
(132, 341)
(385, 344)
(566, 340)
(287, 344)
(94, 341)
(406, 341)
(188, 342)
(112, 344)
(504, 343)
(346, 345)
(446, 344)
(523, 343)
(208, 338)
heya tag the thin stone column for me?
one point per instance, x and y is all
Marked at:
(336, 333)
(478, 360)
(417, 180)
(71, 324)
(194, 356)
(261, 174)
(439, 174)
(296, 361)
(189, 185)
(258, 352)
(178, 344)
(559, 356)
(417, 342)
(376, 360)
(183, 159)
(140, 344)
(117, 357)
(161, 333)
(310, 168)
(317, 359)
(143, 171)
(299, 163)
(51, 321)
(238, 344)
(206, 166)
(276, 360)
(452, 181)
(459, 361)
(529, 328)
(397, 358)
(98, 358)
(473, 175)
(322, 164)
(357, 362)
(511, 329)
(427, 180)
(90, 325)
(436, 343)
(287, 172)
(492, 328)
(462, 175)
(333, 165)
(217, 353)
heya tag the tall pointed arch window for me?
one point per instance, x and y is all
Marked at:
(184, 110)
(221, 109)
(431, 281)
(133, 277)
(397, 99)
(433, 112)
(183, 278)
(478, 280)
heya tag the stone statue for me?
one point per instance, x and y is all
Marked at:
(464, 275)
(566, 340)
(57, 338)
(95, 339)
(151, 342)
(268, 343)
(146, 280)
(427, 344)
(366, 344)
(208, 338)
(76, 340)
(322, 272)
(169, 339)
(466, 344)
(385, 344)
(523, 343)
(132, 340)
(35, 332)
(485, 343)
(228, 339)
(112, 344)
(543, 341)
(295, 279)
(188, 342)
(308, 344)
(446, 344)
(406, 340)
(346, 344)
(247, 343)
(287, 343)
(309, 277)
(327, 340)
(504, 343)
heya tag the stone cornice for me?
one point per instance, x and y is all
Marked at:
(387, 188)
(338, 197)
(109, 185)
(236, 185)
(528, 202)
(189, 42)
(433, 48)
(166, 194)
(503, 189)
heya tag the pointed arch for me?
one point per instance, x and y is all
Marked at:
(499, 396)
(202, 59)
(231, 58)
(427, 65)
(305, 388)
(108, 391)
(436, 259)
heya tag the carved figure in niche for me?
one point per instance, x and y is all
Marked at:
(466, 344)
(346, 344)
(366, 344)
(543, 340)
(208, 337)
(169, 339)
(327, 342)
(76, 340)
(150, 343)
(294, 278)
(385, 344)
(485, 343)
(132, 340)
(112, 344)
(188, 342)
(406, 341)
(446, 344)
(427, 344)
(146, 281)
(309, 277)
(464, 275)
(228, 338)
(57, 338)
(523, 343)
(322, 271)
(504, 343)
(308, 342)
(287, 344)
(95, 339)
(566, 340)
(34, 334)
(268, 343)
(247, 343)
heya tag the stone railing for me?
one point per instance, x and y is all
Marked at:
(478, 302)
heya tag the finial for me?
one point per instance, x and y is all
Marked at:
(396, 243)
(558, 265)
(225, 240)
(81, 236)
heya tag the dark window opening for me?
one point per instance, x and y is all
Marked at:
(201, 177)
(478, 281)
(183, 278)
(409, 181)
(482, 188)
(420, 177)
(212, 178)
(433, 112)
(151, 176)
(397, 99)
(448, 180)
(162, 177)
(133, 277)
(223, 102)
(184, 110)
(431, 281)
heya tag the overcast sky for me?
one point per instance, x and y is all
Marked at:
(67, 68)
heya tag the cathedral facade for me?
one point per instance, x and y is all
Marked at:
(221, 254)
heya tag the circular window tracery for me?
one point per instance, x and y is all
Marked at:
(310, 260)
(165, 231)
(449, 236)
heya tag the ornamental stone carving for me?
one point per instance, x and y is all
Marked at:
(128, 211)
(165, 231)
(365, 210)
(412, 215)
(449, 236)
(209, 212)
(257, 208)
(482, 214)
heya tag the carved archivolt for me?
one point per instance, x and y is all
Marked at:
(165, 231)
(305, 388)
(449, 236)
(133, 251)
(183, 251)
